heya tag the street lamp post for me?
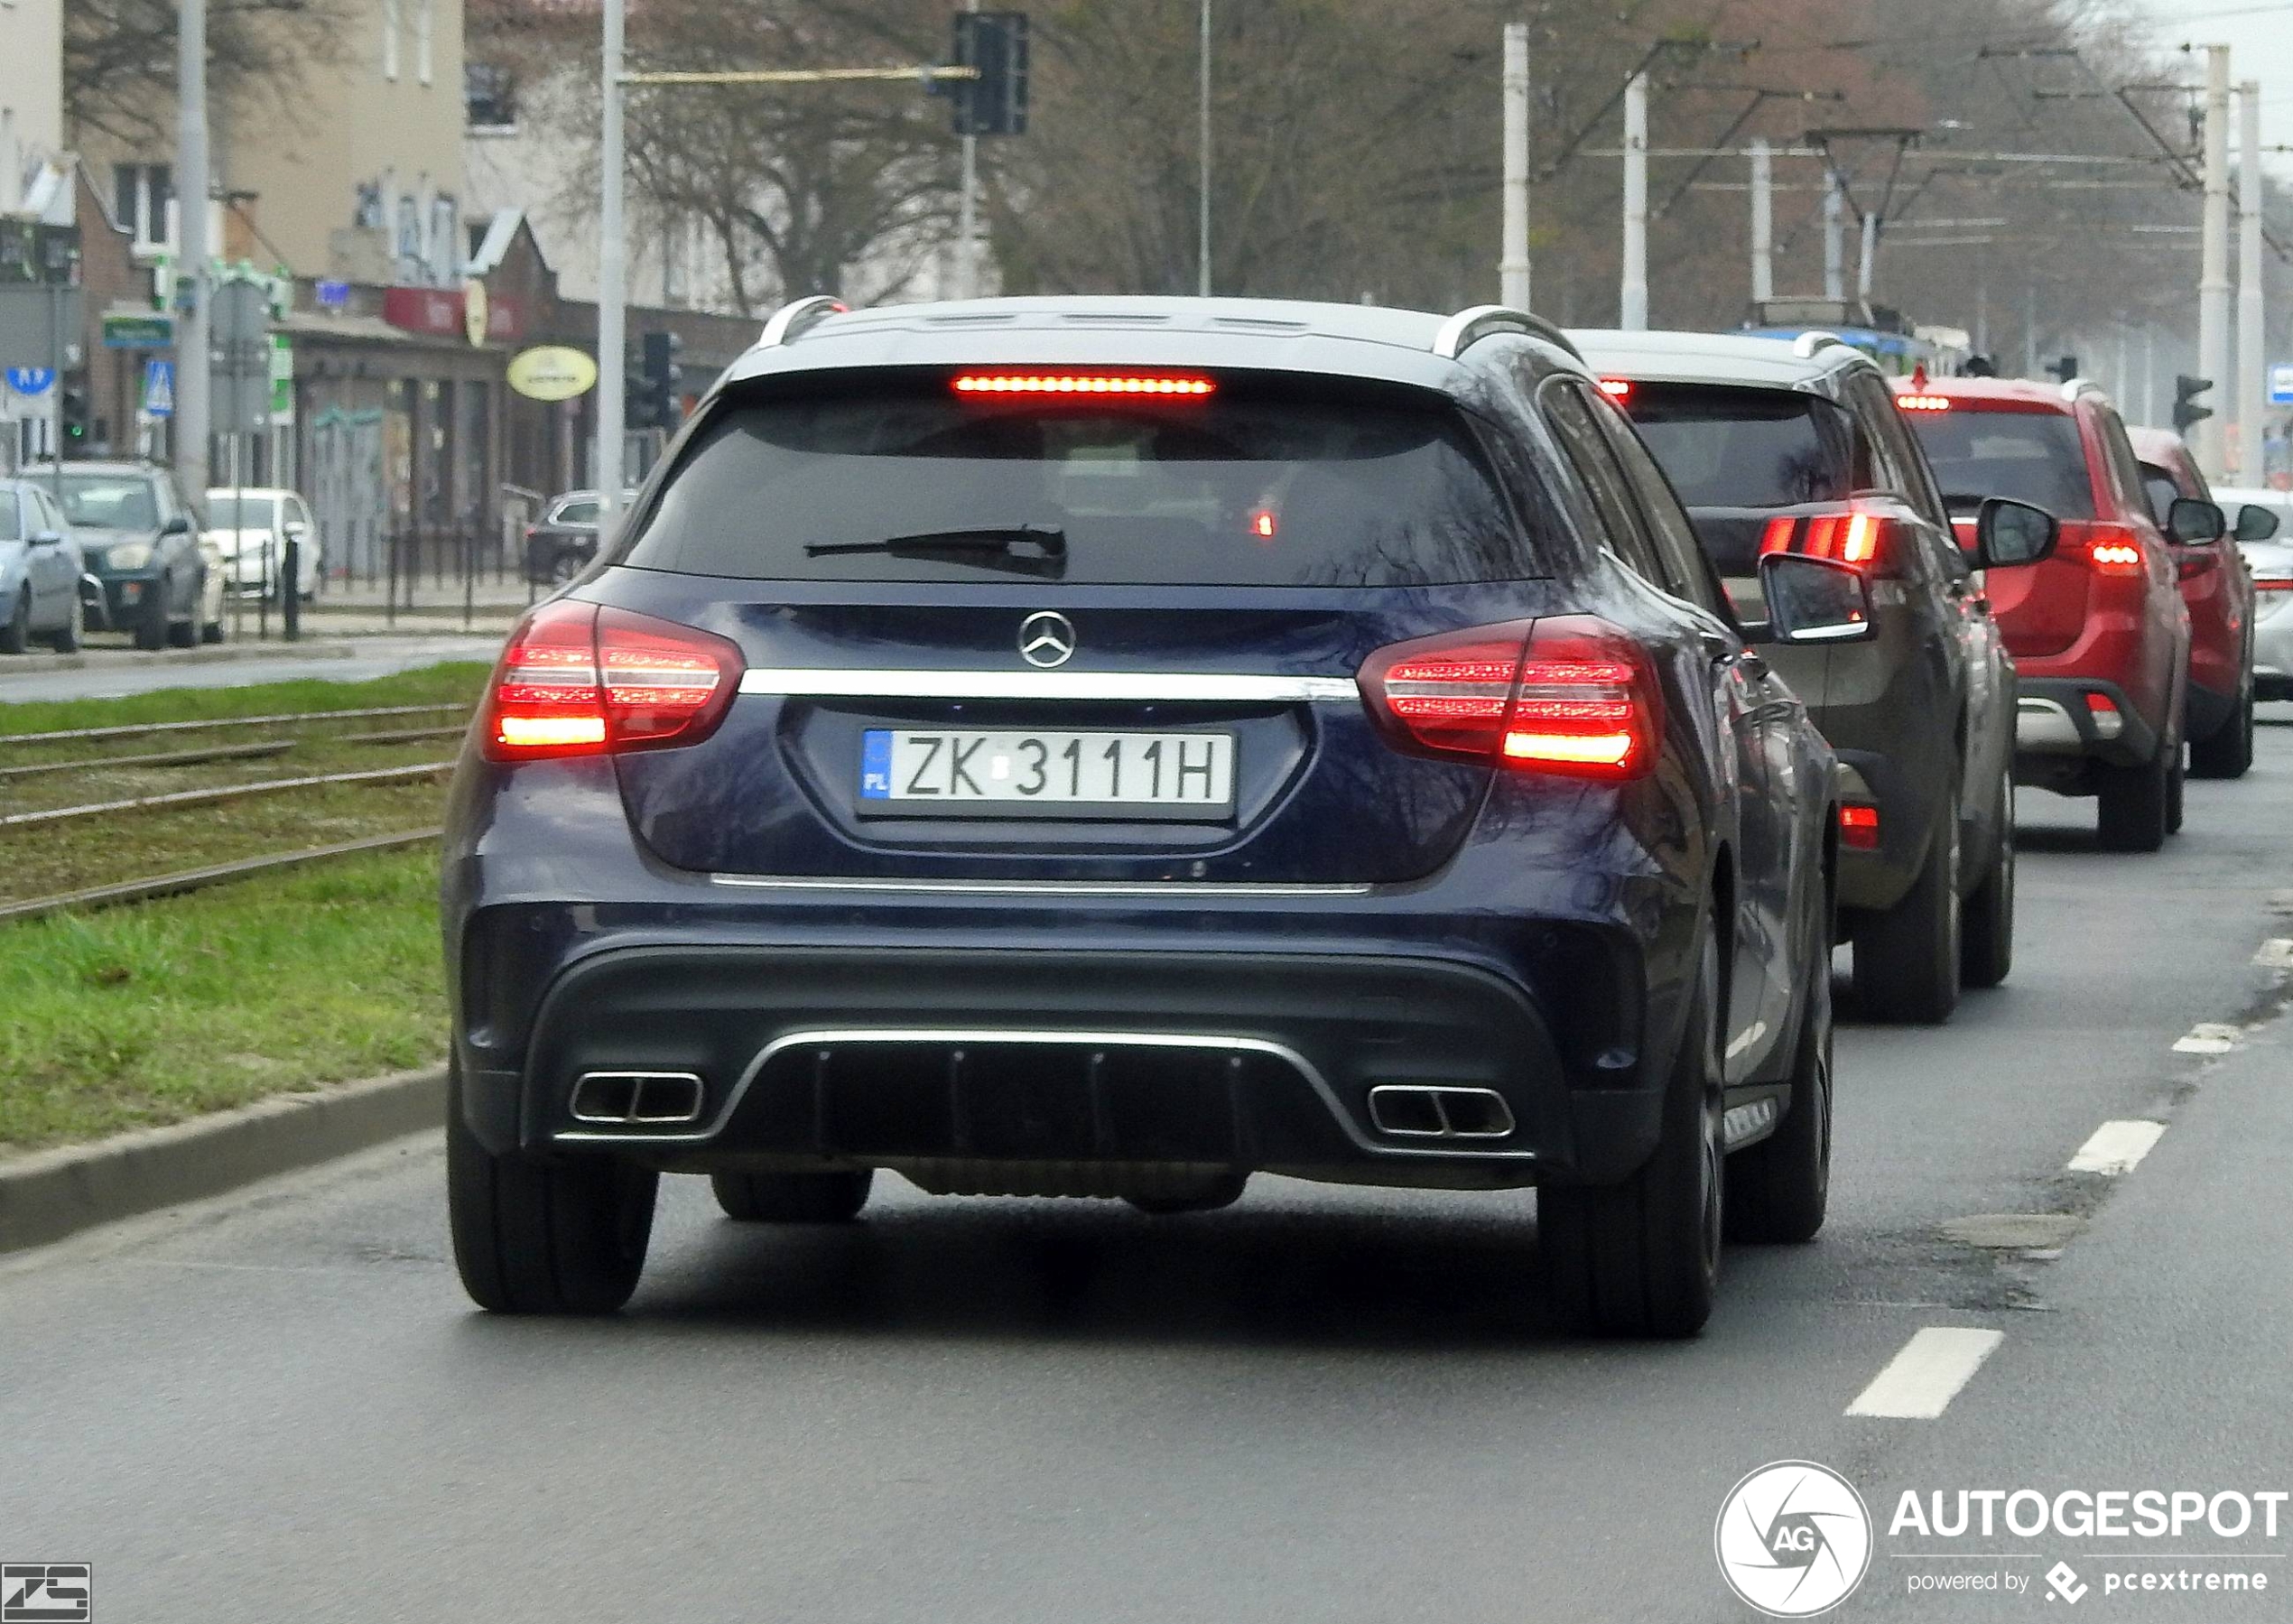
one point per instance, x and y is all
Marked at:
(1202, 148)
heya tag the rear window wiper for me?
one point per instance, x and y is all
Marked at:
(1034, 548)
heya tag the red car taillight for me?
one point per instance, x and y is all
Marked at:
(2116, 550)
(1851, 537)
(1567, 695)
(576, 680)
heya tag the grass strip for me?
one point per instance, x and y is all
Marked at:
(136, 1016)
(453, 683)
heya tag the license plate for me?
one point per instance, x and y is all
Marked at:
(923, 771)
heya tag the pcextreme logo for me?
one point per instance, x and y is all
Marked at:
(1794, 1539)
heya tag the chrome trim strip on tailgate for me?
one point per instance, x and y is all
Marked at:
(1042, 887)
(1200, 687)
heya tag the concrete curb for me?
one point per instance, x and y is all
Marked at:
(54, 1194)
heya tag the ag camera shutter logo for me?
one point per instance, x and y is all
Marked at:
(1794, 1539)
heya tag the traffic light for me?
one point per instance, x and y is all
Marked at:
(2186, 411)
(654, 403)
(72, 411)
(995, 44)
(2064, 370)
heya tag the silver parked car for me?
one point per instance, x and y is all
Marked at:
(42, 577)
(2271, 562)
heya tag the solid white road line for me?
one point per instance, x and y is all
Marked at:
(1920, 1383)
(2117, 1147)
(2209, 1038)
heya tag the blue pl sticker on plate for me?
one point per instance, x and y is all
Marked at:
(876, 764)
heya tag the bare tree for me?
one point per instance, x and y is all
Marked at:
(119, 56)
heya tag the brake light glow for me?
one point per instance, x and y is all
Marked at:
(1849, 535)
(1778, 535)
(1262, 525)
(2273, 584)
(1617, 389)
(1163, 386)
(1923, 402)
(1569, 694)
(1859, 828)
(2109, 723)
(2116, 553)
(576, 680)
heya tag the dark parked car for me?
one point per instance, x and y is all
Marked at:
(42, 577)
(1111, 747)
(1796, 446)
(560, 543)
(141, 541)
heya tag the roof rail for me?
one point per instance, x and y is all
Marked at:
(1807, 344)
(1467, 327)
(789, 321)
(2071, 388)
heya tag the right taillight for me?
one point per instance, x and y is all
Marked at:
(2116, 550)
(1850, 535)
(575, 680)
(1570, 694)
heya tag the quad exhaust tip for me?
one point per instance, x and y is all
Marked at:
(1410, 1111)
(622, 1098)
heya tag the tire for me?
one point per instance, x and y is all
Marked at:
(1224, 1193)
(792, 1197)
(1642, 1258)
(1778, 1188)
(564, 566)
(16, 632)
(212, 632)
(2229, 752)
(536, 1236)
(184, 634)
(2133, 803)
(67, 638)
(1906, 960)
(1986, 919)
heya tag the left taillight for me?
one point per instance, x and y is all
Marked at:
(577, 680)
(1569, 694)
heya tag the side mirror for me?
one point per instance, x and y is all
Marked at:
(2193, 522)
(2008, 533)
(48, 538)
(2256, 523)
(1812, 599)
(178, 526)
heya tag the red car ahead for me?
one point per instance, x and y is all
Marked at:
(2099, 633)
(2219, 590)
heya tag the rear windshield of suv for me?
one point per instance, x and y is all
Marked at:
(110, 501)
(2030, 456)
(1730, 447)
(1243, 489)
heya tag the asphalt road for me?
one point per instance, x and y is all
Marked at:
(1320, 1405)
(378, 656)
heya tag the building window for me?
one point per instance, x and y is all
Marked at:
(391, 23)
(423, 10)
(141, 193)
(489, 98)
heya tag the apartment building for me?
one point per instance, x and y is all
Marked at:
(32, 95)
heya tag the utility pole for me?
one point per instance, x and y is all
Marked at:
(612, 291)
(967, 225)
(2030, 331)
(191, 416)
(1763, 221)
(2213, 283)
(1513, 265)
(1203, 150)
(1834, 237)
(1864, 265)
(2148, 373)
(2252, 355)
(1634, 300)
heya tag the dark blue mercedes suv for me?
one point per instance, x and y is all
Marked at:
(1111, 747)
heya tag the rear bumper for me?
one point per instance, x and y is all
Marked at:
(905, 1057)
(2056, 731)
(2274, 646)
(1876, 880)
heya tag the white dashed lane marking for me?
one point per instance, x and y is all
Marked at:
(1920, 1383)
(2117, 1147)
(2277, 954)
(2210, 1037)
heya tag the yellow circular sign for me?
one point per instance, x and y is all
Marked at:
(551, 372)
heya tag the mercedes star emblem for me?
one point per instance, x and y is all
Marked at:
(1046, 638)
